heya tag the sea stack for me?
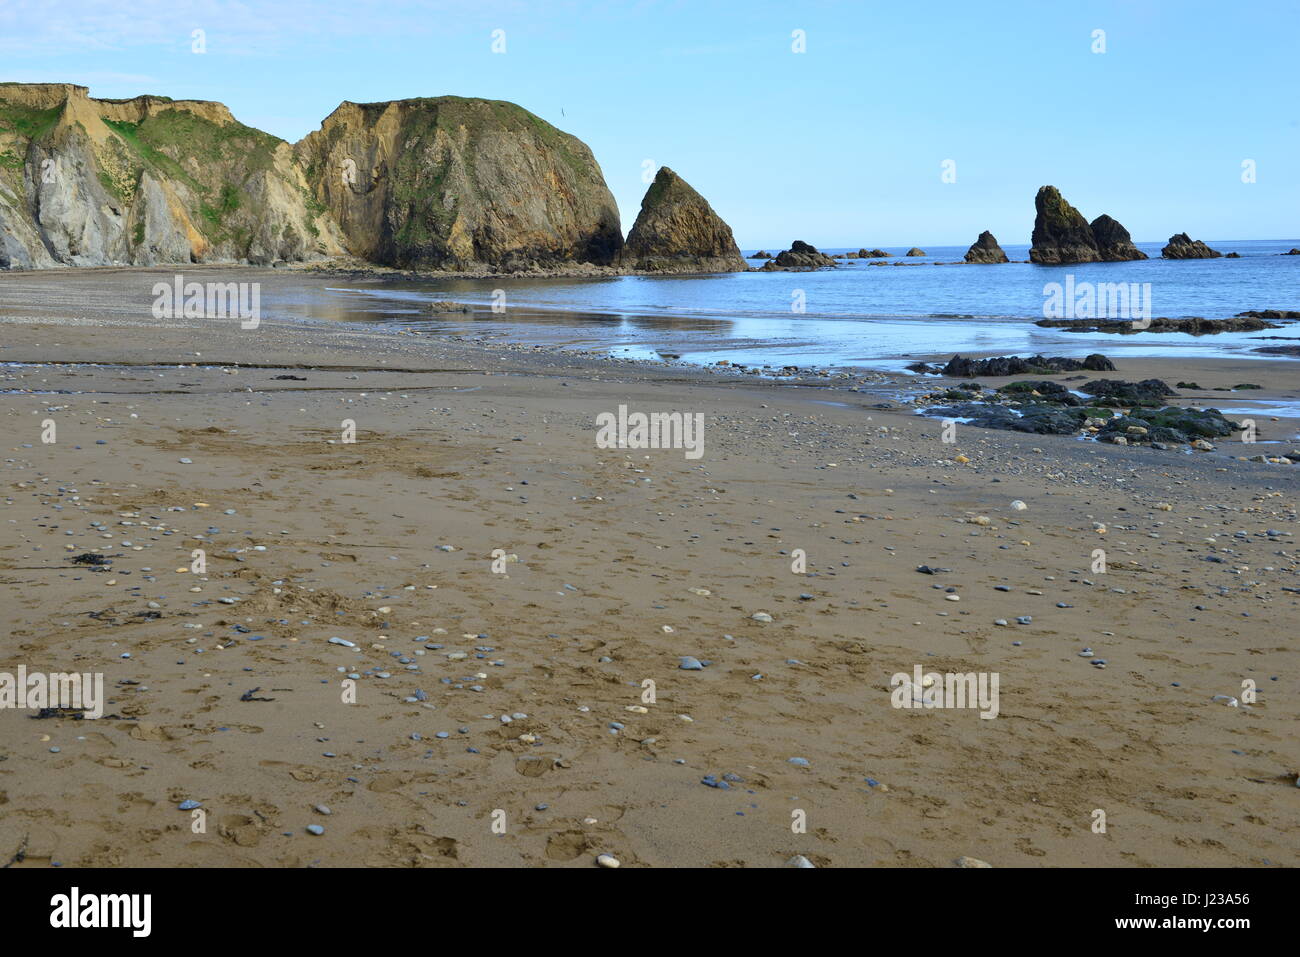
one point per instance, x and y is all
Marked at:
(1113, 241)
(678, 231)
(915, 252)
(1061, 234)
(460, 183)
(1182, 246)
(986, 250)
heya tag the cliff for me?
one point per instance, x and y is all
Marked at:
(453, 183)
(87, 182)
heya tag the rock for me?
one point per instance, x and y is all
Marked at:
(761, 254)
(678, 231)
(1293, 252)
(1113, 241)
(915, 252)
(315, 829)
(690, 664)
(1129, 393)
(873, 254)
(963, 368)
(1232, 255)
(971, 862)
(607, 860)
(800, 861)
(444, 305)
(458, 183)
(761, 616)
(1192, 325)
(1061, 234)
(799, 256)
(986, 250)
(1182, 246)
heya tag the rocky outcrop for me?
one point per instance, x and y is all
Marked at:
(1061, 234)
(915, 252)
(1182, 246)
(960, 367)
(678, 231)
(800, 256)
(986, 250)
(873, 254)
(1113, 241)
(87, 182)
(455, 183)
(1293, 252)
(1192, 325)
(761, 254)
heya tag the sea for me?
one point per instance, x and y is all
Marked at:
(856, 316)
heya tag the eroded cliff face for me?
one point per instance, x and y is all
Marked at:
(458, 183)
(86, 182)
(678, 231)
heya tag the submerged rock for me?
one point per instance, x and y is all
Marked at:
(986, 250)
(1182, 246)
(1192, 325)
(1061, 234)
(678, 231)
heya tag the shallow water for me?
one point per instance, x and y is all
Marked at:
(857, 315)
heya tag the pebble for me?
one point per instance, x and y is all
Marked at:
(315, 829)
(690, 664)
(799, 861)
(971, 862)
(607, 860)
(800, 762)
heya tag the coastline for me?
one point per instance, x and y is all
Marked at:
(610, 544)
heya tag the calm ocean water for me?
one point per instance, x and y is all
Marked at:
(855, 316)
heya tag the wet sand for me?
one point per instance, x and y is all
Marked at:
(463, 448)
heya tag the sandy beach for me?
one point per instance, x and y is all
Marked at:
(224, 687)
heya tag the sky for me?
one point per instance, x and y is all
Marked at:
(898, 124)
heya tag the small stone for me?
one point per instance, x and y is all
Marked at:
(799, 861)
(607, 860)
(315, 829)
(690, 664)
(971, 862)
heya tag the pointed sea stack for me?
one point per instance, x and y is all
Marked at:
(1061, 234)
(1183, 246)
(678, 231)
(986, 250)
(1113, 241)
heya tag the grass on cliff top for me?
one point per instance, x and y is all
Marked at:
(26, 121)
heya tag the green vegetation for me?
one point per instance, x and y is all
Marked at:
(27, 121)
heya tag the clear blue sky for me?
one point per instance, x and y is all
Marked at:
(840, 146)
